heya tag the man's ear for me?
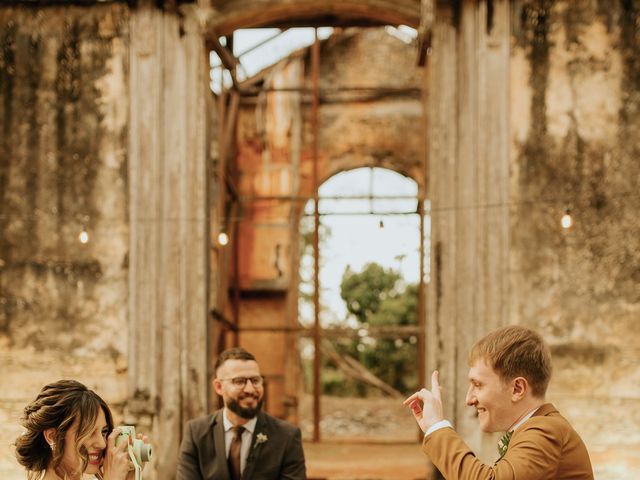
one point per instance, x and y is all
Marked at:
(519, 388)
(217, 386)
(50, 436)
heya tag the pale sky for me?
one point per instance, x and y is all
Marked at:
(276, 49)
(358, 239)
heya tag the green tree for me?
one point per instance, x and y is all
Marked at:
(378, 297)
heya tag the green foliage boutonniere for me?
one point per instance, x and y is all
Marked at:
(503, 443)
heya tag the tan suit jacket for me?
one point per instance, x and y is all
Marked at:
(545, 447)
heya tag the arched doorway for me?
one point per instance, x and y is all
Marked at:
(372, 268)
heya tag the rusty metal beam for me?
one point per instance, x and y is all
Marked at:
(228, 137)
(235, 242)
(303, 198)
(229, 61)
(328, 90)
(393, 331)
(421, 303)
(228, 105)
(425, 29)
(355, 214)
(315, 76)
(230, 15)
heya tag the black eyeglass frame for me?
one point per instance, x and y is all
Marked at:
(241, 382)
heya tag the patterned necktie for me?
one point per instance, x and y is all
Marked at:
(503, 443)
(234, 454)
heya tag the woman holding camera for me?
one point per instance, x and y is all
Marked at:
(69, 433)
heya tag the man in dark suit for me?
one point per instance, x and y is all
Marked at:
(508, 378)
(240, 441)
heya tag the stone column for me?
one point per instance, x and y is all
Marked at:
(168, 227)
(468, 294)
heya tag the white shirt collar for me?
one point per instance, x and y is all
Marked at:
(250, 425)
(523, 419)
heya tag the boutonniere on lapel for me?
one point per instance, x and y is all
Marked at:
(503, 443)
(260, 439)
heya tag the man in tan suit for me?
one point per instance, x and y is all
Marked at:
(509, 373)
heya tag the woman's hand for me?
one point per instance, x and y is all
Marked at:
(132, 473)
(116, 463)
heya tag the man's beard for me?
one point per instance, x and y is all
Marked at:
(246, 413)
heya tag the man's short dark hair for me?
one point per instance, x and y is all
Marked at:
(236, 353)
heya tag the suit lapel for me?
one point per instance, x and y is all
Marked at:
(256, 448)
(219, 457)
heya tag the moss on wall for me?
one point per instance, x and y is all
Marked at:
(577, 147)
(62, 171)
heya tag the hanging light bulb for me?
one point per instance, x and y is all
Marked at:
(84, 236)
(223, 238)
(567, 220)
(381, 224)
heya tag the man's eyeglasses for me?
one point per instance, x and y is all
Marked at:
(241, 382)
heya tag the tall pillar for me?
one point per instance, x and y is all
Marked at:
(469, 180)
(168, 227)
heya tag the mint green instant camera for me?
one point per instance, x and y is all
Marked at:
(139, 452)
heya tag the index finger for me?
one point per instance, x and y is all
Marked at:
(111, 439)
(435, 384)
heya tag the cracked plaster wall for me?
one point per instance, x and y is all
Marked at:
(63, 166)
(575, 109)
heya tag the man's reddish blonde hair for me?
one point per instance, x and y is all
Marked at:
(516, 351)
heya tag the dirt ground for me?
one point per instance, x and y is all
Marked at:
(364, 461)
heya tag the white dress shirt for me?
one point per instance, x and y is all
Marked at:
(524, 419)
(249, 427)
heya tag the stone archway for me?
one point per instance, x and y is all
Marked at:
(233, 14)
(370, 219)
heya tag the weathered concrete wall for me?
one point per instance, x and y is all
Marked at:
(63, 166)
(381, 127)
(575, 120)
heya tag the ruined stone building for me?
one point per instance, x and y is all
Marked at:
(507, 114)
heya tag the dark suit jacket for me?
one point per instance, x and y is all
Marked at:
(545, 447)
(202, 453)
